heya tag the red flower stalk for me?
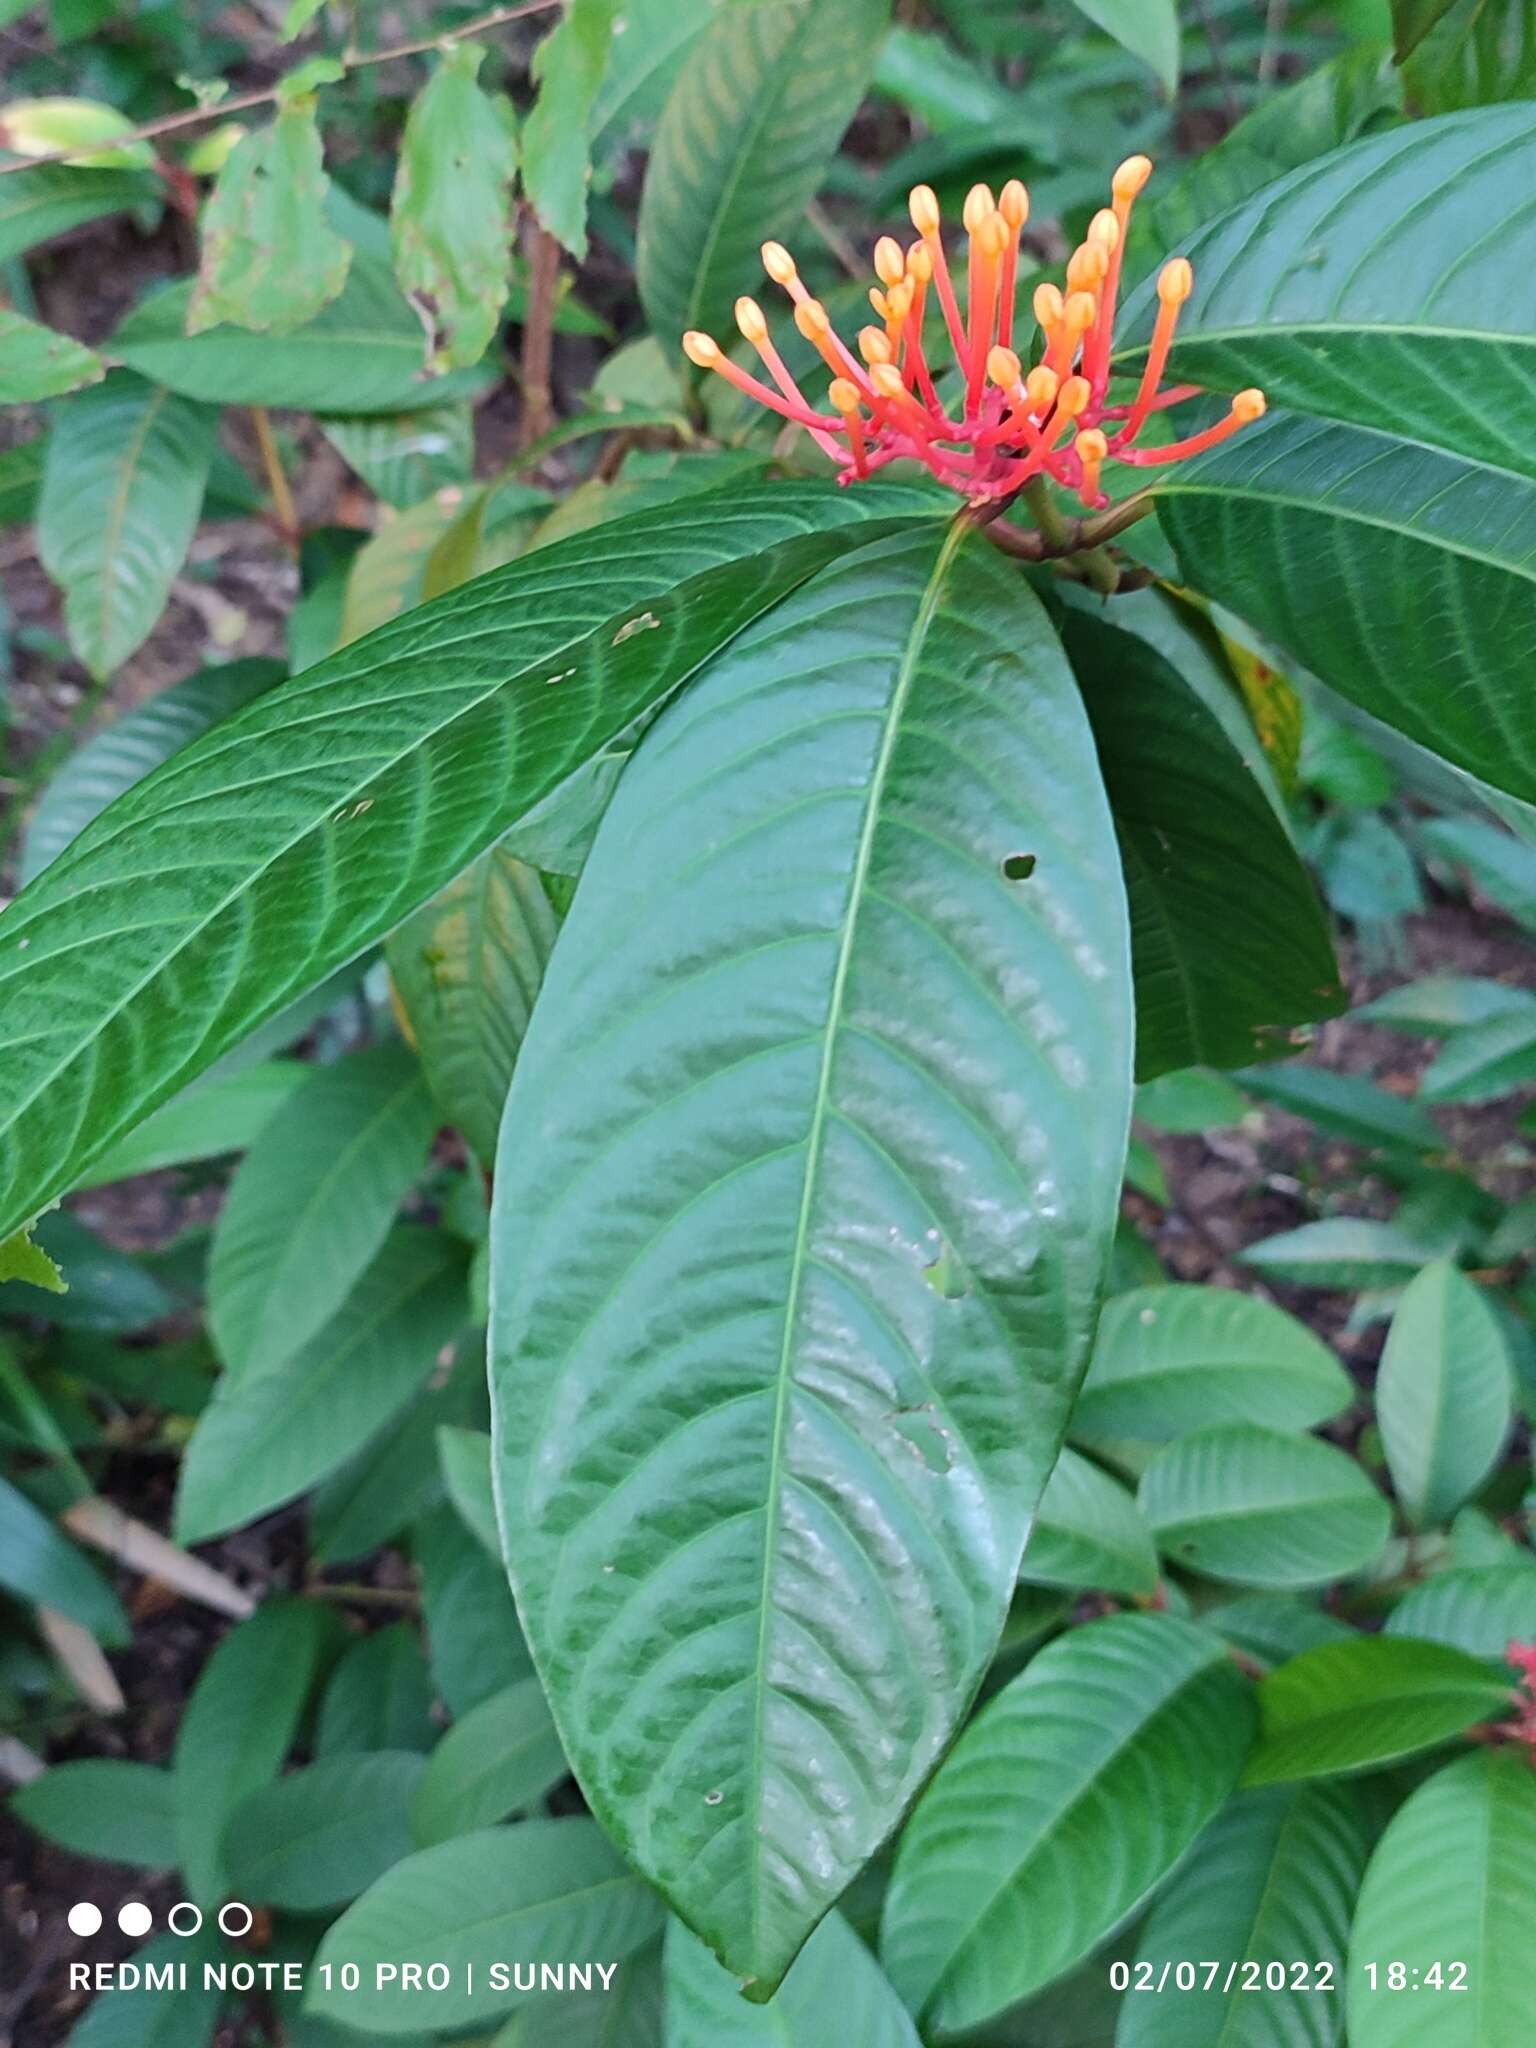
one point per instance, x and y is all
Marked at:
(1055, 421)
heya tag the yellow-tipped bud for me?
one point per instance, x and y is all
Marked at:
(880, 302)
(886, 379)
(979, 203)
(1104, 230)
(1013, 204)
(1176, 282)
(811, 319)
(843, 395)
(1004, 368)
(1249, 406)
(874, 345)
(923, 205)
(1073, 397)
(1078, 312)
(778, 263)
(1131, 177)
(1092, 446)
(920, 263)
(898, 301)
(1048, 305)
(992, 237)
(1086, 270)
(701, 349)
(1042, 385)
(890, 264)
(749, 318)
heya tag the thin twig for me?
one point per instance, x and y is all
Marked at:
(194, 116)
(543, 253)
(361, 1596)
(277, 479)
(1274, 29)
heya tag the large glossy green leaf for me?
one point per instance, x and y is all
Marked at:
(1228, 936)
(275, 1428)
(1262, 1508)
(1063, 1804)
(542, 1890)
(39, 1563)
(311, 1202)
(476, 1642)
(805, 1186)
(833, 1974)
(1272, 1881)
(124, 752)
(1452, 1883)
(1412, 21)
(122, 487)
(748, 131)
(1168, 1360)
(1347, 1104)
(467, 967)
(1089, 1533)
(237, 1727)
(1303, 527)
(48, 199)
(319, 1836)
(1358, 1704)
(290, 838)
(1478, 1608)
(1389, 284)
(1444, 1394)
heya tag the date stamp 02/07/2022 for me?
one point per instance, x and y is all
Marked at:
(1248, 1975)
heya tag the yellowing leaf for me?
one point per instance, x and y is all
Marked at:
(21, 1259)
(557, 164)
(451, 216)
(44, 127)
(271, 259)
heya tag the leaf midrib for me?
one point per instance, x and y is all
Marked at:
(820, 1107)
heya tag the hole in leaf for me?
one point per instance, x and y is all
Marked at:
(1018, 867)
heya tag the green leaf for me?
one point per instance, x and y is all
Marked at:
(388, 575)
(36, 363)
(270, 258)
(1271, 1628)
(1346, 1104)
(237, 1727)
(1169, 1360)
(1189, 1103)
(118, 1811)
(1501, 866)
(1298, 525)
(1036, 1839)
(281, 1423)
(39, 1563)
(298, 16)
(1340, 1251)
(1228, 938)
(136, 741)
(545, 1888)
(1442, 1003)
(224, 1114)
(1356, 1705)
(476, 1642)
(568, 69)
(1412, 21)
(1444, 1394)
(804, 1008)
(122, 488)
(49, 199)
(627, 2015)
(1261, 1508)
(751, 125)
(451, 213)
(404, 457)
(311, 1203)
(1484, 1061)
(467, 967)
(22, 1260)
(1453, 1881)
(656, 38)
(407, 755)
(1149, 29)
(138, 2017)
(389, 1483)
(465, 1457)
(1272, 1879)
(1478, 52)
(833, 1974)
(108, 1291)
(320, 1836)
(502, 1757)
(1367, 287)
(1481, 1609)
(1087, 1533)
(378, 1697)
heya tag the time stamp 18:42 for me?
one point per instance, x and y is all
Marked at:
(1249, 1975)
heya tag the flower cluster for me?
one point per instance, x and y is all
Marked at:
(1053, 420)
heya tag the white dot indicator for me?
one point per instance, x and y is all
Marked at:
(225, 1923)
(85, 1919)
(186, 1907)
(135, 1919)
